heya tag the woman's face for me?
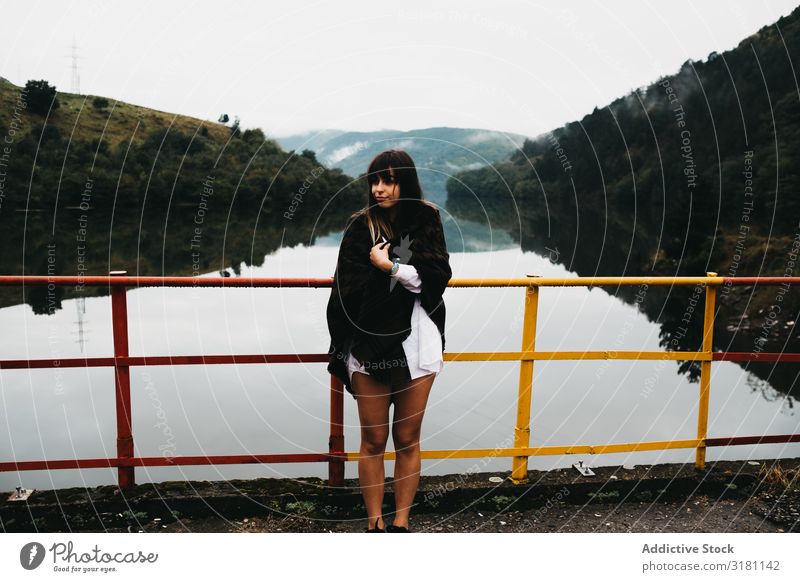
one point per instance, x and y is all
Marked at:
(387, 193)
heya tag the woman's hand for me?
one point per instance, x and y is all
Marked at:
(379, 256)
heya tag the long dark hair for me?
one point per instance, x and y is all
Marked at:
(408, 206)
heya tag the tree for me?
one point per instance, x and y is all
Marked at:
(310, 155)
(41, 97)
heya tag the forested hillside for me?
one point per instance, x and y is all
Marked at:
(95, 185)
(696, 172)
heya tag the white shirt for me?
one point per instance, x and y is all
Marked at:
(423, 346)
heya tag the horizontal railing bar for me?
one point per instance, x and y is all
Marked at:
(760, 280)
(390, 455)
(168, 461)
(753, 440)
(755, 357)
(587, 355)
(125, 281)
(56, 363)
(448, 356)
(163, 361)
(584, 281)
(562, 450)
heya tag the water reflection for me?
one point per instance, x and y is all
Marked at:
(281, 408)
(746, 319)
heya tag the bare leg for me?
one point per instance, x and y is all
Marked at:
(372, 399)
(409, 408)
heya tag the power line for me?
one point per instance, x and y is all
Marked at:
(75, 84)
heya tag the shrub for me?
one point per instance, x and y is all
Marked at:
(41, 97)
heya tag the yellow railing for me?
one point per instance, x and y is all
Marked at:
(522, 450)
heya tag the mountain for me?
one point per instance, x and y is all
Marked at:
(98, 185)
(697, 172)
(438, 152)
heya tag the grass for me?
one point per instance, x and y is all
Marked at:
(118, 122)
(777, 478)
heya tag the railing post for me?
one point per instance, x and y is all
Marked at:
(522, 430)
(336, 439)
(122, 382)
(705, 371)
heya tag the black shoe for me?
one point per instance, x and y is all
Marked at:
(375, 529)
(396, 529)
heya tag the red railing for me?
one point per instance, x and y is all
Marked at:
(125, 461)
(122, 362)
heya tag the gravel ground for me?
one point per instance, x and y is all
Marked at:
(696, 515)
(729, 496)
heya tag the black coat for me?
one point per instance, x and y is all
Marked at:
(370, 317)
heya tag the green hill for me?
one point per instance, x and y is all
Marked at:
(697, 172)
(114, 123)
(94, 187)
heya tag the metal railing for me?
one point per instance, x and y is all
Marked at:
(122, 361)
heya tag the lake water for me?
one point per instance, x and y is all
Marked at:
(283, 408)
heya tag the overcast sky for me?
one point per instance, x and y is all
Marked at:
(294, 66)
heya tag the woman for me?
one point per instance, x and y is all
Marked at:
(386, 320)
